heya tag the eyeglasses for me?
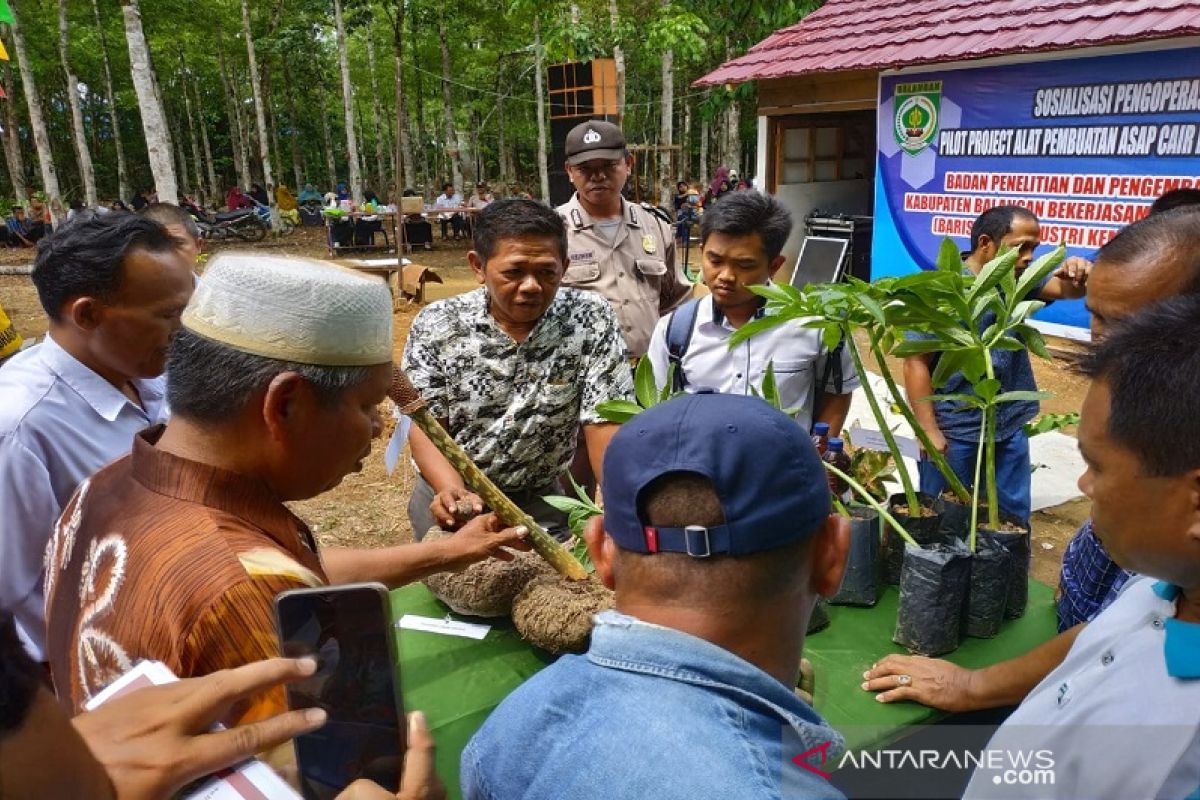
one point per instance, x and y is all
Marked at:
(590, 168)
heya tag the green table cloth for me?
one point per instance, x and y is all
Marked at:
(458, 681)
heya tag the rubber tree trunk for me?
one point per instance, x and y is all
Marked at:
(37, 122)
(236, 134)
(260, 118)
(110, 99)
(181, 169)
(154, 119)
(356, 189)
(705, 134)
(193, 135)
(327, 136)
(12, 141)
(666, 131)
(685, 153)
(539, 65)
(380, 132)
(614, 16)
(214, 189)
(452, 149)
(294, 138)
(83, 155)
(405, 166)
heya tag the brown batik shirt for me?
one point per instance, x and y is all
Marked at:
(157, 557)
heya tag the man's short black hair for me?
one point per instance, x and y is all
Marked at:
(447, 185)
(1175, 198)
(84, 257)
(745, 213)
(211, 382)
(513, 218)
(171, 214)
(19, 680)
(1169, 240)
(1151, 363)
(996, 223)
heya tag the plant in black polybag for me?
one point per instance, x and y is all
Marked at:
(933, 589)
(1014, 536)
(860, 581)
(987, 594)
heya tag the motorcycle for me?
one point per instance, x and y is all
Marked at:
(246, 224)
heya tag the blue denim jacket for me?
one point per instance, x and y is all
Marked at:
(649, 712)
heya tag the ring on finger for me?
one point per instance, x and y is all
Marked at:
(903, 680)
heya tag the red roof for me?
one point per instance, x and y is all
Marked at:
(867, 34)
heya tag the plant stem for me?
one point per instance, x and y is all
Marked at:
(975, 483)
(910, 493)
(935, 455)
(989, 422)
(873, 503)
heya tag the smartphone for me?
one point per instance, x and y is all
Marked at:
(348, 629)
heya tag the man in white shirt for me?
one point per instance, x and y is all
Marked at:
(450, 198)
(741, 245)
(114, 288)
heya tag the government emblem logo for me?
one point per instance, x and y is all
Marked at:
(915, 123)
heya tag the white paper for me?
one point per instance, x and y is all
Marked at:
(446, 627)
(249, 781)
(873, 440)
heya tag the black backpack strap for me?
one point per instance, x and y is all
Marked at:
(680, 325)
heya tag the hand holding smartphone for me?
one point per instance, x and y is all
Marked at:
(348, 630)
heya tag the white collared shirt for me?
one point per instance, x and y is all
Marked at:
(59, 423)
(1119, 717)
(796, 353)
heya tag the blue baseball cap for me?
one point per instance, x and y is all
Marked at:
(768, 477)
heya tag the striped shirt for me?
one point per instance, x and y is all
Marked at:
(162, 558)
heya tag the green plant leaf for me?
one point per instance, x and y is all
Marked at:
(765, 323)
(913, 347)
(618, 410)
(987, 389)
(1051, 422)
(950, 362)
(830, 336)
(991, 274)
(770, 392)
(1039, 269)
(666, 392)
(949, 259)
(1012, 397)
(1024, 309)
(873, 308)
(1034, 341)
(643, 383)
(956, 397)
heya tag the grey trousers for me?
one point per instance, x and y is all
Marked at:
(531, 502)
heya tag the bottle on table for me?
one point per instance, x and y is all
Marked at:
(820, 437)
(837, 456)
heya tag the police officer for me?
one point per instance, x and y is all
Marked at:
(622, 251)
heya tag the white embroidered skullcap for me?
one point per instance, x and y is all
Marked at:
(293, 309)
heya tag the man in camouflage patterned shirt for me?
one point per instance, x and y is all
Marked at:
(513, 370)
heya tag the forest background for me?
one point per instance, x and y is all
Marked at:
(109, 97)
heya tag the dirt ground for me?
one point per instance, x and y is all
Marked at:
(369, 508)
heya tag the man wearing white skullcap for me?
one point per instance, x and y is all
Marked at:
(176, 551)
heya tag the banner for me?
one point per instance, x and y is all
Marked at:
(1086, 144)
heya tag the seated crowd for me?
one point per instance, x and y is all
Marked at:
(150, 443)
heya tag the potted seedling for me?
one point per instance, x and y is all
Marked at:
(860, 581)
(837, 310)
(993, 314)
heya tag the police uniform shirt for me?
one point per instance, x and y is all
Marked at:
(1118, 718)
(635, 271)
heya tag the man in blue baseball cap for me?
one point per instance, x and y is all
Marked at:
(717, 538)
